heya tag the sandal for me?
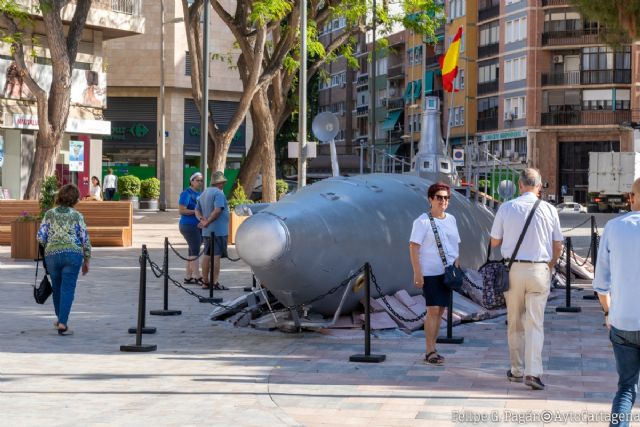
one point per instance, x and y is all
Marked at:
(65, 331)
(199, 281)
(189, 281)
(219, 287)
(433, 358)
(204, 285)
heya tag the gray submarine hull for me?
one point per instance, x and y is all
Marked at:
(310, 241)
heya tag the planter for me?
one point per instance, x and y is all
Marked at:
(135, 203)
(235, 221)
(24, 244)
(149, 204)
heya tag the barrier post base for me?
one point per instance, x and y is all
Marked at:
(145, 330)
(452, 340)
(210, 300)
(248, 289)
(568, 309)
(364, 358)
(165, 312)
(142, 348)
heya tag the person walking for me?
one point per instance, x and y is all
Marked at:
(616, 282)
(534, 254)
(67, 250)
(428, 266)
(188, 226)
(110, 182)
(212, 212)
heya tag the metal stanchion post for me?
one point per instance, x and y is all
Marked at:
(594, 253)
(450, 339)
(138, 347)
(142, 325)
(568, 308)
(367, 357)
(165, 267)
(212, 264)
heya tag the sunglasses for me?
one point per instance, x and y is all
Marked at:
(442, 198)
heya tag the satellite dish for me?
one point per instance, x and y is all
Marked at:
(325, 126)
(506, 189)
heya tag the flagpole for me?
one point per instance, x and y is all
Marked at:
(450, 112)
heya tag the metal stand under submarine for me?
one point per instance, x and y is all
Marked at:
(312, 240)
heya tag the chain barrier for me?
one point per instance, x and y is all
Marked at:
(175, 251)
(586, 258)
(577, 226)
(384, 299)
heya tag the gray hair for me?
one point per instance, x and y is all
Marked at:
(530, 177)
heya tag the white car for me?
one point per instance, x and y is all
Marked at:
(571, 207)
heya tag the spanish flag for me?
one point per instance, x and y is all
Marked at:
(449, 63)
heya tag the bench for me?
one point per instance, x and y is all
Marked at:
(108, 223)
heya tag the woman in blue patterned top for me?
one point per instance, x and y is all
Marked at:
(67, 249)
(188, 226)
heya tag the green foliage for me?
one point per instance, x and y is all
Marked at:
(150, 188)
(281, 188)
(238, 197)
(265, 11)
(484, 183)
(621, 18)
(129, 186)
(48, 194)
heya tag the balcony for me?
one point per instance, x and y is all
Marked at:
(489, 13)
(561, 79)
(394, 104)
(571, 37)
(129, 7)
(432, 61)
(395, 71)
(488, 87)
(589, 77)
(586, 117)
(554, 3)
(362, 111)
(487, 123)
(362, 80)
(116, 18)
(488, 50)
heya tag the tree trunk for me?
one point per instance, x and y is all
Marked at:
(44, 163)
(252, 163)
(263, 119)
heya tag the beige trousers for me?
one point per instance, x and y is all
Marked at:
(529, 286)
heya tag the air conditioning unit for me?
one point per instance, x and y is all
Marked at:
(558, 59)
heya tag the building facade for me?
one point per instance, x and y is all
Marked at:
(135, 144)
(81, 153)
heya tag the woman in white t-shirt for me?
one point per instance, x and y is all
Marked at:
(95, 192)
(428, 268)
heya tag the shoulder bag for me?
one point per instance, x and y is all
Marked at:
(453, 276)
(42, 292)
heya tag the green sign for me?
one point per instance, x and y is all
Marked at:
(502, 135)
(121, 133)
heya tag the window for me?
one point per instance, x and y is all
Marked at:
(514, 108)
(456, 116)
(521, 147)
(381, 68)
(515, 69)
(487, 4)
(508, 2)
(410, 56)
(487, 73)
(417, 55)
(488, 107)
(187, 63)
(457, 8)
(458, 82)
(516, 30)
(489, 33)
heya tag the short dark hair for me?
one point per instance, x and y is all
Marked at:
(68, 196)
(438, 186)
(96, 178)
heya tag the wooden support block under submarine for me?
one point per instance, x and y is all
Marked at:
(312, 240)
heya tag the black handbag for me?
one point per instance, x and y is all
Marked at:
(41, 293)
(453, 276)
(502, 281)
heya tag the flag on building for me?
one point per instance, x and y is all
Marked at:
(449, 63)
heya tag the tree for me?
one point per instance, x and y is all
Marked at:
(52, 106)
(266, 33)
(621, 18)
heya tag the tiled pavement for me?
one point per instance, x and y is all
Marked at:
(210, 374)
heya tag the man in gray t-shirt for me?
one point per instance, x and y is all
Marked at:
(212, 211)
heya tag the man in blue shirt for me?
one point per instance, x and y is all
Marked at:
(616, 282)
(212, 211)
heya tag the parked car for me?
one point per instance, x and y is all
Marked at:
(571, 207)
(256, 195)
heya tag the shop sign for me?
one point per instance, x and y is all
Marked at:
(122, 131)
(502, 135)
(95, 127)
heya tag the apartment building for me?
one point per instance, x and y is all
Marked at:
(86, 125)
(135, 110)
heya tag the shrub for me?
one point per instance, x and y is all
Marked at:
(128, 186)
(150, 188)
(238, 197)
(282, 188)
(48, 194)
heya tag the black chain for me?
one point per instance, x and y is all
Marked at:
(586, 258)
(579, 225)
(384, 299)
(182, 257)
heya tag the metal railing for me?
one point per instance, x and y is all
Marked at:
(587, 77)
(362, 111)
(129, 7)
(570, 37)
(394, 104)
(488, 13)
(488, 50)
(488, 87)
(395, 71)
(554, 3)
(389, 163)
(585, 117)
(560, 79)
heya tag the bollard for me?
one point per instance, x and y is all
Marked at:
(594, 253)
(138, 347)
(143, 292)
(568, 308)
(450, 339)
(212, 264)
(165, 267)
(367, 357)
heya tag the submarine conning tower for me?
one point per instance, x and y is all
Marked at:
(431, 161)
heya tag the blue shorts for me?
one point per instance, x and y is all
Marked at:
(193, 235)
(435, 292)
(219, 246)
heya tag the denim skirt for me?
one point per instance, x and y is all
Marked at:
(193, 235)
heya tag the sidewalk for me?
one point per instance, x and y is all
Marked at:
(210, 374)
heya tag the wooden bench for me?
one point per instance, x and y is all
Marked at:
(108, 223)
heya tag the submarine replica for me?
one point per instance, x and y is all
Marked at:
(309, 242)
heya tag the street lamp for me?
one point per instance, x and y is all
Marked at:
(162, 132)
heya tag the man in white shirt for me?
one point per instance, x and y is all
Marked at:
(616, 283)
(530, 274)
(110, 183)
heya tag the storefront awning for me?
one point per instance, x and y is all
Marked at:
(390, 122)
(408, 91)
